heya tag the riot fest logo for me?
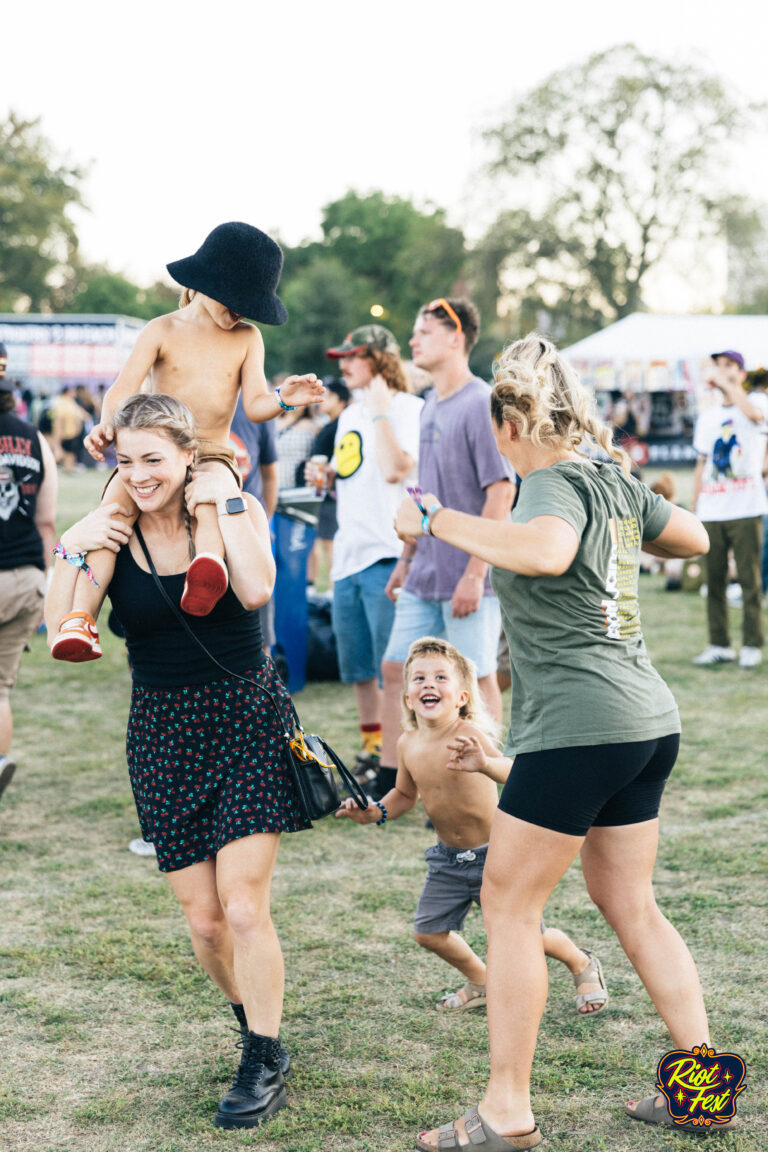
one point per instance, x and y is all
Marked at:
(701, 1086)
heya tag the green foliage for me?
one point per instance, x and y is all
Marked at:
(37, 238)
(376, 250)
(608, 163)
(100, 291)
(325, 300)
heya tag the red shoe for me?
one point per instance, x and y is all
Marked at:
(207, 581)
(77, 639)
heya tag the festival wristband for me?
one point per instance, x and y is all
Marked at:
(285, 407)
(435, 508)
(77, 559)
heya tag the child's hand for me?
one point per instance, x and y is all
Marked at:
(98, 439)
(206, 488)
(299, 390)
(359, 815)
(101, 528)
(467, 754)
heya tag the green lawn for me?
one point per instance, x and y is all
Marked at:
(114, 1040)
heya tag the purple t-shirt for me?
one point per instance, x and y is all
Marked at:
(458, 460)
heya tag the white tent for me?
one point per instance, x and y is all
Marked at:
(648, 352)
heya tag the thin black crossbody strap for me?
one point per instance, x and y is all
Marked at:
(344, 772)
(177, 613)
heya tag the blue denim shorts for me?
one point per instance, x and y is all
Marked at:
(362, 618)
(475, 636)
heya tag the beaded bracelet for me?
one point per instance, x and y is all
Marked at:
(285, 407)
(384, 817)
(77, 559)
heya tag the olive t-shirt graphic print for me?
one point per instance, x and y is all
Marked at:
(580, 671)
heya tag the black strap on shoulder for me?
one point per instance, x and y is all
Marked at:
(177, 613)
(349, 780)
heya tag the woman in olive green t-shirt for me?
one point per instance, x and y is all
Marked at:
(594, 729)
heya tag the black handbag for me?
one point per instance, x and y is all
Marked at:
(310, 759)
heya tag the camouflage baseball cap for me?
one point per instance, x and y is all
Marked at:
(368, 337)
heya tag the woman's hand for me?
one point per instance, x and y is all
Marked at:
(378, 397)
(102, 528)
(467, 755)
(409, 516)
(350, 809)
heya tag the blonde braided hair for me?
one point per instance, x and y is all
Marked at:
(536, 389)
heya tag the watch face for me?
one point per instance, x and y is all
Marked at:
(235, 504)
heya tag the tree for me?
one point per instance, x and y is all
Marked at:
(100, 291)
(37, 239)
(376, 252)
(609, 163)
(324, 301)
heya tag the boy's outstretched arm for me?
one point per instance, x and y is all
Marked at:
(132, 375)
(258, 402)
(397, 801)
(477, 753)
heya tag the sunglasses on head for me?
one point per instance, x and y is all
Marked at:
(441, 302)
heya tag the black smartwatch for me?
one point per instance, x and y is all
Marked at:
(232, 506)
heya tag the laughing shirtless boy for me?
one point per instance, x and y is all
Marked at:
(447, 756)
(204, 354)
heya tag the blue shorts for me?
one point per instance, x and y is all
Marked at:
(475, 636)
(362, 618)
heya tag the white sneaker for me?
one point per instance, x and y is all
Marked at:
(714, 654)
(142, 848)
(750, 657)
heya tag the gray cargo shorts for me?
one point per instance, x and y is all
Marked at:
(452, 886)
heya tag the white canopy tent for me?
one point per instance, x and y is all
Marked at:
(644, 352)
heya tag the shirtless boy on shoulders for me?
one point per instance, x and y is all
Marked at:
(204, 355)
(446, 755)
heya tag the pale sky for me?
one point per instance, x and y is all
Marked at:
(192, 114)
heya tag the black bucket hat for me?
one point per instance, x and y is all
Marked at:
(239, 266)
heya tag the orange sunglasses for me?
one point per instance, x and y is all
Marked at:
(441, 302)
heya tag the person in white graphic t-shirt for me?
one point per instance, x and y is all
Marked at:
(729, 498)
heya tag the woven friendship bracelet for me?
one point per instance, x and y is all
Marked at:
(77, 559)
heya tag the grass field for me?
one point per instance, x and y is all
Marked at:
(114, 1041)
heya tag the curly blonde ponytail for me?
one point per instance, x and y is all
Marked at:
(539, 392)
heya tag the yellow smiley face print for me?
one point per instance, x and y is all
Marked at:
(349, 455)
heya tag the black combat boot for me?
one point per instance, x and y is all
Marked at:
(285, 1060)
(259, 1087)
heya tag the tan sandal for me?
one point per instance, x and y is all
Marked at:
(481, 1137)
(77, 639)
(475, 998)
(651, 1112)
(592, 974)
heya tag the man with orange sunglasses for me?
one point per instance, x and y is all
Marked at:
(442, 591)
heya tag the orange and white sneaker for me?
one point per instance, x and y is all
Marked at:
(77, 639)
(207, 581)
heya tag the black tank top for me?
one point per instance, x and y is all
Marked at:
(161, 653)
(21, 474)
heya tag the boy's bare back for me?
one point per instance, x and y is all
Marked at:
(203, 365)
(460, 804)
